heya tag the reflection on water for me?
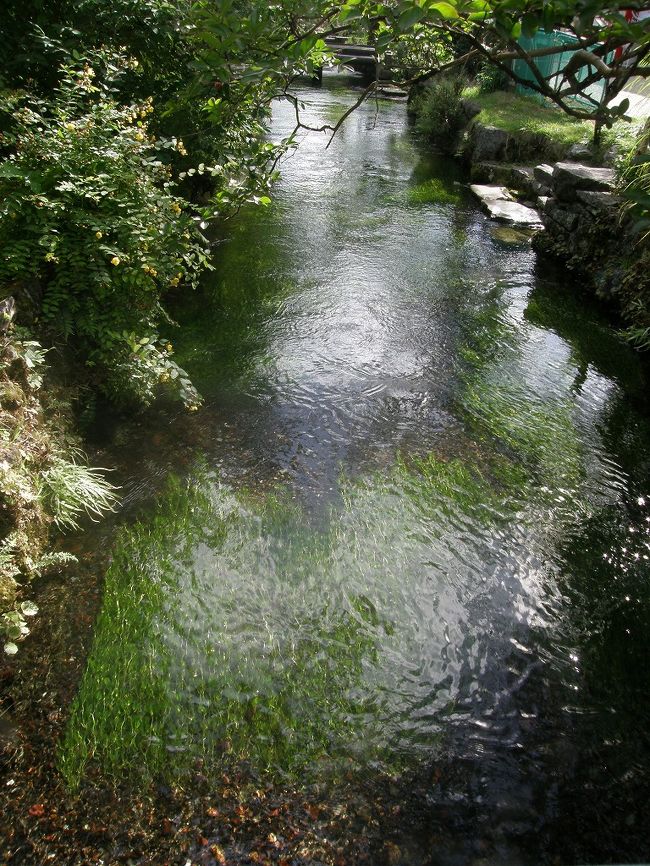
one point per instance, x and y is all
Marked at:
(419, 526)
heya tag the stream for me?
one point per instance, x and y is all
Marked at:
(407, 535)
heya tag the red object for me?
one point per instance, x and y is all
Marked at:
(629, 16)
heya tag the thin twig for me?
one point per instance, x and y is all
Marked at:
(365, 94)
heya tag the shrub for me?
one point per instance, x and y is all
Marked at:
(441, 116)
(490, 78)
(41, 479)
(634, 177)
(69, 488)
(88, 209)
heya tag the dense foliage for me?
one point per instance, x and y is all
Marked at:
(90, 212)
(119, 134)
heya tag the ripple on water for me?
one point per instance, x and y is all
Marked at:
(457, 560)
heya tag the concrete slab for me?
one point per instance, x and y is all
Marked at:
(512, 212)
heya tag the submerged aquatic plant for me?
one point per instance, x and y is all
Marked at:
(433, 191)
(190, 653)
(232, 625)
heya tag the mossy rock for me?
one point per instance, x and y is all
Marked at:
(12, 396)
(8, 593)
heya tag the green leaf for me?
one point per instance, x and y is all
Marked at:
(349, 12)
(29, 608)
(383, 41)
(479, 6)
(446, 10)
(410, 17)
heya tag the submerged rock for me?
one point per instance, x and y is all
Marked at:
(511, 235)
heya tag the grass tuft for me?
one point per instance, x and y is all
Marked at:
(71, 489)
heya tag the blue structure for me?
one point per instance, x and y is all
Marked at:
(552, 66)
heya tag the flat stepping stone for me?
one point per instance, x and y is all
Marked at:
(500, 205)
(488, 192)
(585, 176)
(512, 212)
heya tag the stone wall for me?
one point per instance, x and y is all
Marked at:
(491, 144)
(586, 228)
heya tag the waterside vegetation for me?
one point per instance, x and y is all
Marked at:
(44, 480)
(102, 212)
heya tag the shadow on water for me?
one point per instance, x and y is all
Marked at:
(407, 537)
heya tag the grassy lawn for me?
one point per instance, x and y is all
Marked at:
(513, 112)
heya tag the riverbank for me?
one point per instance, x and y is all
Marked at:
(44, 479)
(532, 165)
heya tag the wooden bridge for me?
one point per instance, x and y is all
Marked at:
(359, 58)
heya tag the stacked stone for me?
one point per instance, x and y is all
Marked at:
(574, 194)
(587, 229)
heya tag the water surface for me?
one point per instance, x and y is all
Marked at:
(412, 527)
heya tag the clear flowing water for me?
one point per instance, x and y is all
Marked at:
(412, 525)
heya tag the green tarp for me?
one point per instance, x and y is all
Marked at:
(551, 67)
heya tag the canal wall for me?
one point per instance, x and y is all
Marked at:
(585, 223)
(589, 230)
(490, 144)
